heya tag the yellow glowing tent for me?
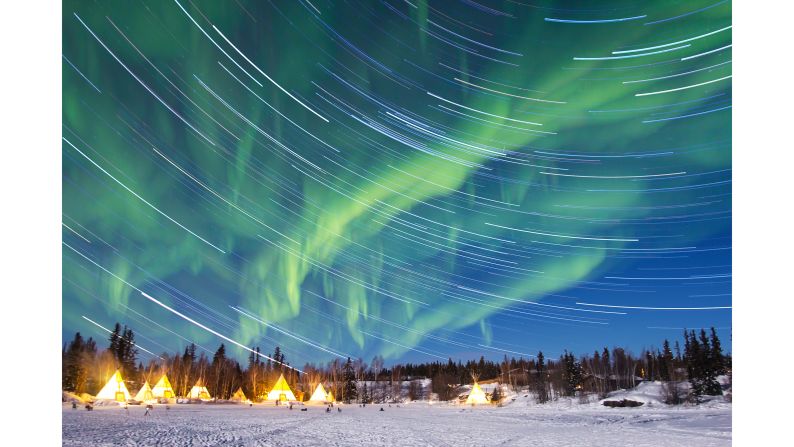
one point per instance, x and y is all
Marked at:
(281, 391)
(319, 396)
(199, 391)
(331, 397)
(163, 388)
(114, 389)
(145, 393)
(476, 396)
(238, 395)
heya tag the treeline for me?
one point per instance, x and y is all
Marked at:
(686, 375)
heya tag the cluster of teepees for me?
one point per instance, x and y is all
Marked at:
(115, 389)
(477, 395)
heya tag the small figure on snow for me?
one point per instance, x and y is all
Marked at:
(74, 405)
(381, 408)
(339, 409)
(89, 407)
(148, 407)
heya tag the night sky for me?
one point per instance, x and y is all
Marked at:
(419, 180)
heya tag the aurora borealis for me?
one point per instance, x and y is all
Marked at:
(419, 180)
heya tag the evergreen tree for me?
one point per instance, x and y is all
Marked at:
(365, 398)
(542, 392)
(190, 354)
(694, 365)
(349, 391)
(607, 370)
(709, 367)
(278, 356)
(572, 374)
(127, 353)
(251, 359)
(716, 354)
(78, 360)
(115, 340)
(665, 362)
(73, 370)
(220, 355)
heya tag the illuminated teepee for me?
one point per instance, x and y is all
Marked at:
(319, 396)
(331, 397)
(281, 391)
(114, 389)
(476, 396)
(162, 389)
(145, 393)
(199, 391)
(239, 396)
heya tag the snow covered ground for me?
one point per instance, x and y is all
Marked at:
(520, 423)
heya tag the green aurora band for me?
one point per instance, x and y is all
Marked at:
(382, 230)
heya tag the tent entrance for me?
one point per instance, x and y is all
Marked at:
(120, 396)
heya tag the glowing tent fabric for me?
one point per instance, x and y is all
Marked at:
(199, 391)
(114, 389)
(145, 393)
(281, 391)
(319, 396)
(239, 396)
(163, 388)
(476, 396)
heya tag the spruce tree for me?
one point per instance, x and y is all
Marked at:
(365, 399)
(349, 391)
(115, 341)
(694, 364)
(543, 395)
(572, 374)
(73, 369)
(607, 369)
(716, 354)
(127, 352)
(711, 386)
(251, 359)
(278, 356)
(666, 362)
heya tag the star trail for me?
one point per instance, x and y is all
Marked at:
(418, 180)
